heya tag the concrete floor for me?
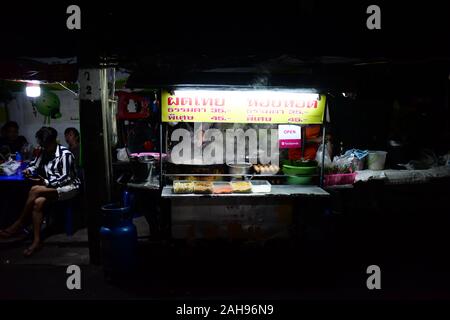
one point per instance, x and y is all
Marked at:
(177, 272)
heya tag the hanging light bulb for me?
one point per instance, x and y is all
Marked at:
(33, 89)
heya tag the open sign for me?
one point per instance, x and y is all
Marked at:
(289, 136)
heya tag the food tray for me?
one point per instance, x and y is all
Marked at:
(241, 186)
(183, 186)
(261, 186)
(203, 187)
(222, 187)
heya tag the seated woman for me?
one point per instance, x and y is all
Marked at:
(53, 173)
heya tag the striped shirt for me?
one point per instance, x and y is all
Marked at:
(58, 169)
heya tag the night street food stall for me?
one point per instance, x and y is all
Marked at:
(227, 171)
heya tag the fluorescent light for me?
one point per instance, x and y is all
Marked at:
(268, 94)
(33, 90)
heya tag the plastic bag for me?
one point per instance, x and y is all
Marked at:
(345, 163)
(9, 168)
(319, 155)
(122, 154)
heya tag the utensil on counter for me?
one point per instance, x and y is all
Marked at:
(239, 168)
(142, 167)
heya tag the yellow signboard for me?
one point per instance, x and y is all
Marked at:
(242, 106)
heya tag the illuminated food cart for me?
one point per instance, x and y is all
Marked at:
(228, 173)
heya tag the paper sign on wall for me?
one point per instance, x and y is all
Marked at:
(89, 82)
(289, 136)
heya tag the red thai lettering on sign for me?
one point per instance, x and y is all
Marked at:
(186, 101)
(265, 111)
(175, 117)
(281, 103)
(195, 101)
(172, 101)
(306, 104)
(219, 102)
(218, 118)
(217, 110)
(259, 119)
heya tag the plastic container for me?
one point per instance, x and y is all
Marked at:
(261, 186)
(294, 170)
(222, 187)
(203, 187)
(339, 179)
(183, 186)
(241, 186)
(376, 160)
(118, 240)
(359, 163)
(303, 180)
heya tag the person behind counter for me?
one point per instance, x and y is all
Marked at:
(10, 137)
(55, 179)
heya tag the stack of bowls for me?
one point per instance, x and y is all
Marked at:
(299, 175)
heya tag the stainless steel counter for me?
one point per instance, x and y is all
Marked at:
(277, 191)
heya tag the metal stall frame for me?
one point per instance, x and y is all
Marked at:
(164, 131)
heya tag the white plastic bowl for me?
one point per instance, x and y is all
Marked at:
(376, 160)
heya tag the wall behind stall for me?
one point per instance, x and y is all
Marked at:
(20, 110)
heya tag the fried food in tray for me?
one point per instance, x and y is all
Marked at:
(222, 188)
(183, 187)
(203, 187)
(241, 186)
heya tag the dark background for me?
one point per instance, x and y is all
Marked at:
(325, 42)
(408, 61)
(409, 29)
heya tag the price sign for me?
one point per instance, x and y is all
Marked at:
(246, 106)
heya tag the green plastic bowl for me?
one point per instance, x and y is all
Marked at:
(299, 180)
(299, 163)
(293, 170)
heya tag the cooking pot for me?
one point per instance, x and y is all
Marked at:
(142, 167)
(239, 168)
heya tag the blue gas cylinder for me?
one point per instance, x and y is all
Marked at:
(118, 239)
(129, 199)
